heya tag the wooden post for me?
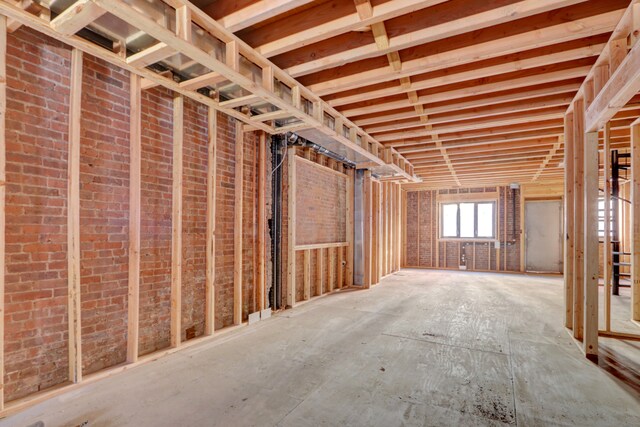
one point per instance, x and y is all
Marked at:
(262, 221)
(307, 274)
(591, 246)
(212, 157)
(578, 226)
(237, 226)
(320, 272)
(569, 249)
(291, 227)
(176, 222)
(332, 268)
(608, 260)
(73, 220)
(399, 227)
(375, 270)
(635, 222)
(366, 238)
(3, 188)
(350, 227)
(133, 303)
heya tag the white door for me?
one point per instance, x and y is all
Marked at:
(543, 236)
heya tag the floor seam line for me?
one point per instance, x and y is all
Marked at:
(446, 344)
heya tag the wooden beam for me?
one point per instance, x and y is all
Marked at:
(623, 85)
(250, 14)
(73, 220)
(262, 221)
(151, 55)
(578, 213)
(478, 17)
(135, 153)
(238, 226)
(76, 17)
(291, 227)
(569, 228)
(332, 268)
(554, 34)
(635, 221)
(319, 271)
(591, 246)
(307, 274)
(212, 158)
(176, 221)
(367, 211)
(608, 260)
(350, 227)
(3, 193)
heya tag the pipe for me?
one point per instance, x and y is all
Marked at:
(295, 139)
(275, 293)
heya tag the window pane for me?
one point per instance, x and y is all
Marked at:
(450, 220)
(466, 219)
(485, 220)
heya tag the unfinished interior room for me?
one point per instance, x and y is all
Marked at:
(319, 213)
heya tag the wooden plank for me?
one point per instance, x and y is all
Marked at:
(635, 221)
(291, 227)
(349, 227)
(578, 214)
(569, 248)
(332, 268)
(319, 271)
(321, 246)
(608, 259)
(238, 226)
(591, 246)
(3, 191)
(133, 301)
(76, 17)
(375, 271)
(623, 85)
(366, 238)
(340, 276)
(212, 158)
(262, 221)
(73, 220)
(176, 221)
(307, 274)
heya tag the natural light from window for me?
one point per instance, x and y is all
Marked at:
(468, 220)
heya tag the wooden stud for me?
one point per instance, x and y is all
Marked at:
(635, 222)
(183, 23)
(238, 226)
(578, 228)
(591, 246)
(262, 221)
(176, 222)
(375, 276)
(133, 302)
(3, 191)
(608, 260)
(73, 220)
(291, 227)
(320, 271)
(367, 208)
(350, 227)
(569, 230)
(307, 274)
(76, 17)
(212, 158)
(332, 268)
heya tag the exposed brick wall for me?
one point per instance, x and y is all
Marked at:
(422, 247)
(36, 225)
(104, 213)
(36, 337)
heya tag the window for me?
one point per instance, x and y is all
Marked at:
(473, 220)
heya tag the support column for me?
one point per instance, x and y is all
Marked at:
(291, 227)
(73, 220)
(635, 222)
(366, 241)
(578, 226)
(237, 226)
(176, 222)
(135, 155)
(569, 248)
(210, 297)
(262, 218)
(350, 227)
(3, 188)
(591, 246)
(607, 262)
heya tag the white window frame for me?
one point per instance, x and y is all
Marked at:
(475, 220)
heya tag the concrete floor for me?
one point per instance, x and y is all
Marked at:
(429, 348)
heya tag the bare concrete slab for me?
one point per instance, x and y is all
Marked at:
(424, 348)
